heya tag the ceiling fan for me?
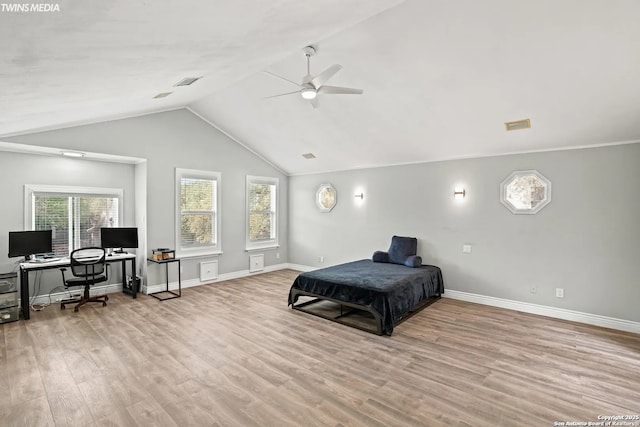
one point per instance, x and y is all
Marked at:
(312, 86)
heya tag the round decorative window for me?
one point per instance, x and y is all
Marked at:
(525, 192)
(326, 197)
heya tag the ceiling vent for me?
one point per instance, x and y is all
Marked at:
(309, 156)
(162, 95)
(517, 124)
(187, 81)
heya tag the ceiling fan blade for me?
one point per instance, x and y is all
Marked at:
(321, 78)
(339, 90)
(314, 102)
(281, 94)
(281, 78)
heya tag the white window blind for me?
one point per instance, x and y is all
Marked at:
(262, 220)
(75, 215)
(197, 227)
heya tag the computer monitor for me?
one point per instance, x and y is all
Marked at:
(27, 243)
(119, 238)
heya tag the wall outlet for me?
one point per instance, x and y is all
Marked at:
(533, 289)
(466, 249)
(277, 255)
(320, 259)
(559, 292)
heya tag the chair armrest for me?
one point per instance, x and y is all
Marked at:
(380, 256)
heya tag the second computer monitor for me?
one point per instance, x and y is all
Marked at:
(119, 238)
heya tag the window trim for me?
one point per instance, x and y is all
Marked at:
(266, 244)
(215, 249)
(67, 190)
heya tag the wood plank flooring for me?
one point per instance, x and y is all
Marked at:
(233, 354)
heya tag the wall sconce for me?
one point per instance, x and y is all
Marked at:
(360, 196)
(459, 193)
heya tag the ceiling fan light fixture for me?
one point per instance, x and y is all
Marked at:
(309, 93)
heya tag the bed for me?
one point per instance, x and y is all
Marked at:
(385, 294)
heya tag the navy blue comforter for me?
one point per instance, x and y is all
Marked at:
(391, 290)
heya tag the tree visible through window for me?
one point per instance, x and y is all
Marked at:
(197, 212)
(261, 211)
(197, 204)
(74, 215)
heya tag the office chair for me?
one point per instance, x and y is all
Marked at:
(88, 268)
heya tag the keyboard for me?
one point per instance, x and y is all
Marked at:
(43, 260)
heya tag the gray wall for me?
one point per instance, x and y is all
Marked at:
(585, 241)
(18, 169)
(179, 139)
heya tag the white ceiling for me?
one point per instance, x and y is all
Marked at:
(440, 77)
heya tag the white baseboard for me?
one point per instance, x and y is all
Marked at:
(301, 267)
(221, 278)
(542, 310)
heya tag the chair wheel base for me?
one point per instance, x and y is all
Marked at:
(102, 299)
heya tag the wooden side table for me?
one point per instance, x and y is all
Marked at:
(172, 294)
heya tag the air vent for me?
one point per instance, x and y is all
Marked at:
(162, 95)
(517, 124)
(309, 156)
(187, 81)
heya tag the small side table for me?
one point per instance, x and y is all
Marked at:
(173, 294)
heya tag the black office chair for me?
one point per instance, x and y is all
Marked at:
(88, 268)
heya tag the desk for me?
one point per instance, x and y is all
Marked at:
(26, 267)
(166, 265)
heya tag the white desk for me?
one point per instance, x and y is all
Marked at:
(26, 267)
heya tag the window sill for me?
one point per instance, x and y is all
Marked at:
(184, 255)
(262, 248)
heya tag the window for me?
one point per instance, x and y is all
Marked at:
(525, 192)
(74, 214)
(326, 197)
(262, 212)
(197, 219)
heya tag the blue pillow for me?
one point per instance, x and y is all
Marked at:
(413, 261)
(402, 248)
(379, 256)
(402, 251)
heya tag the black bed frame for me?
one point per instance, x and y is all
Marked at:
(351, 309)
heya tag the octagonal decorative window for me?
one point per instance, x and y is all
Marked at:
(326, 197)
(525, 192)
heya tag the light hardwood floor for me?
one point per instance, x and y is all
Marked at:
(233, 354)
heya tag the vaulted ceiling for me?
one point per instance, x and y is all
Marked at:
(440, 77)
